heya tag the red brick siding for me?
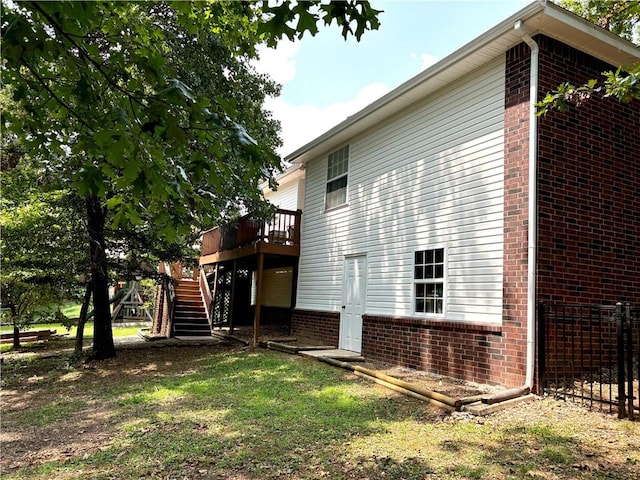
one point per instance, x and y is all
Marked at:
(322, 326)
(516, 215)
(471, 352)
(589, 189)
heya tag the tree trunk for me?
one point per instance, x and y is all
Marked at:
(103, 346)
(83, 319)
(16, 330)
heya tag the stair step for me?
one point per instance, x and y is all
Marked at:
(190, 319)
(189, 333)
(188, 293)
(182, 304)
(192, 322)
(189, 313)
(189, 307)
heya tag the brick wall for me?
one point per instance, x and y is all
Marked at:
(321, 326)
(466, 351)
(516, 215)
(589, 190)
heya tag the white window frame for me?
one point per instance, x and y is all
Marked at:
(430, 281)
(330, 179)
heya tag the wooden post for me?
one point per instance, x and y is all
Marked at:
(256, 319)
(233, 295)
(294, 293)
(297, 226)
(294, 284)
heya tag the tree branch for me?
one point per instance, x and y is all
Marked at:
(42, 82)
(83, 53)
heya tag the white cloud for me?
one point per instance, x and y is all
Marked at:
(279, 63)
(303, 123)
(428, 60)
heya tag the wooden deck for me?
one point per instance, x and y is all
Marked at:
(249, 250)
(249, 236)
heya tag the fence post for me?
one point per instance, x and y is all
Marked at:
(621, 382)
(629, 330)
(542, 346)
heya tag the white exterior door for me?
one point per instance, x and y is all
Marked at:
(354, 291)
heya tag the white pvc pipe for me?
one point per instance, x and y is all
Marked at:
(533, 203)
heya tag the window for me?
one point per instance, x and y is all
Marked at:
(337, 169)
(428, 277)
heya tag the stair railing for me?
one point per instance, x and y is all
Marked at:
(207, 297)
(164, 305)
(170, 305)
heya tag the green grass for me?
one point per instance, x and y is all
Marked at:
(61, 329)
(71, 310)
(220, 412)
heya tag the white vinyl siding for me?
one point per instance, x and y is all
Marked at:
(286, 197)
(431, 175)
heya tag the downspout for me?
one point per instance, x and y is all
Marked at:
(533, 203)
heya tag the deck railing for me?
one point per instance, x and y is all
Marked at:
(283, 229)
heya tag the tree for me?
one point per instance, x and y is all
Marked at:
(41, 253)
(127, 106)
(621, 17)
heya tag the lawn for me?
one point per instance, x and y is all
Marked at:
(226, 412)
(72, 311)
(88, 329)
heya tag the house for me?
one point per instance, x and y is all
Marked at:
(246, 272)
(436, 218)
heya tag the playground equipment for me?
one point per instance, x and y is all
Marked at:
(131, 306)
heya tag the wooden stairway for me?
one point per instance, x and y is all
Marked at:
(189, 314)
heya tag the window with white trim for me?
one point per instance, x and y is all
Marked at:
(428, 279)
(337, 173)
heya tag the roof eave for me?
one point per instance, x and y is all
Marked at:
(538, 17)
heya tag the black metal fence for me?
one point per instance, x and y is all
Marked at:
(591, 354)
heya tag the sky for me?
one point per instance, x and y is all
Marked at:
(325, 78)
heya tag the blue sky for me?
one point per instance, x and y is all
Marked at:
(325, 78)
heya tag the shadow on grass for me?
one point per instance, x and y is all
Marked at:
(220, 412)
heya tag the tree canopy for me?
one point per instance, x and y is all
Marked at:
(150, 112)
(621, 17)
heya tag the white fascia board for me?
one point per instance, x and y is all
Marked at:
(538, 17)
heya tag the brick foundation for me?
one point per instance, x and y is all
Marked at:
(321, 326)
(459, 350)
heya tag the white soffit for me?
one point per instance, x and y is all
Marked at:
(538, 17)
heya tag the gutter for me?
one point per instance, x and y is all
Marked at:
(533, 203)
